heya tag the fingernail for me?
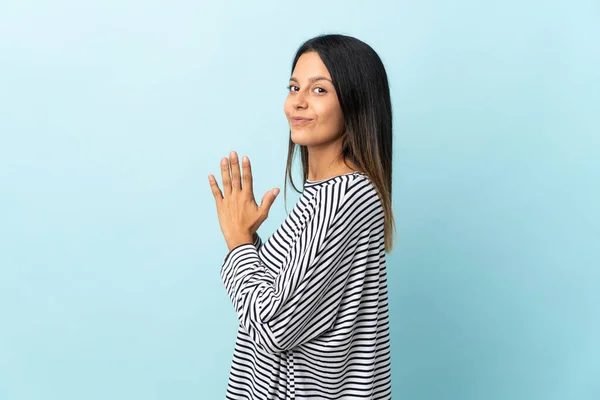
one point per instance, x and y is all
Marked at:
(276, 192)
(245, 159)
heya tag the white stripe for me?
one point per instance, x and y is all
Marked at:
(312, 300)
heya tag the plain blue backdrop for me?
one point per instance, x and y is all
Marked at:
(113, 113)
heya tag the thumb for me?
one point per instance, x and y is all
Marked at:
(268, 199)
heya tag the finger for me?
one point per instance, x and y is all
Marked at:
(268, 200)
(247, 169)
(214, 187)
(225, 177)
(236, 182)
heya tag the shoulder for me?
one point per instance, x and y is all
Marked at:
(347, 193)
(358, 189)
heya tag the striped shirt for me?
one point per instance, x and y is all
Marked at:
(312, 300)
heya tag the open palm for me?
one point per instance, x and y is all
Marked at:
(239, 214)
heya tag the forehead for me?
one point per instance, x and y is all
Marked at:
(310, 64)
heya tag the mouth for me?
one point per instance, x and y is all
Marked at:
(298, 121)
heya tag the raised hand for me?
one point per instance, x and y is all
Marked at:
(239, 215)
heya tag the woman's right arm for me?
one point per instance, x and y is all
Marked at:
(256, 241)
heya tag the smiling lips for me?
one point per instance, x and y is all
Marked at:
(299, 121)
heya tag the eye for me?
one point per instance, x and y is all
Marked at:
(290, 88)
(320, 88)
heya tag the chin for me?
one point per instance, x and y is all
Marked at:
(302, 137)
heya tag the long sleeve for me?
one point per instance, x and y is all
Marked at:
(302, 301)
(257, 242)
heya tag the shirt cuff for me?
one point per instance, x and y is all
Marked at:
(242, 248)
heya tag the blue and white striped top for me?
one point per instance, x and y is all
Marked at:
(312, 300)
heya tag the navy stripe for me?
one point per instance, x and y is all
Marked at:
(312, 300)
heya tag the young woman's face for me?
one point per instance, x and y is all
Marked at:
(312, 107)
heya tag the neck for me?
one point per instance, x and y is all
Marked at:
(327, 162)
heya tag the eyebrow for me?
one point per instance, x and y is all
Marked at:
(313, 79)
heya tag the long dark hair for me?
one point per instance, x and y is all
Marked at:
(361, 83)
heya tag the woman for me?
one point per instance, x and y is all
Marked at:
(312, 300)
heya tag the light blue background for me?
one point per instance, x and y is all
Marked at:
(113, 113)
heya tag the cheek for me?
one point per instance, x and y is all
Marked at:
(331, 116)
(286, 107)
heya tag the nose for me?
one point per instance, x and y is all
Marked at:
(299, 100)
